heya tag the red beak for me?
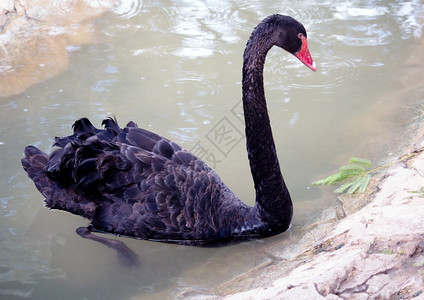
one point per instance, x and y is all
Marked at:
(305, 57)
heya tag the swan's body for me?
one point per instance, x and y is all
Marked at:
(136, 183)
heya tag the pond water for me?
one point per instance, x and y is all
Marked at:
(174, 67)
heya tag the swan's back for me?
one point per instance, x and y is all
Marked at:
(136, 183)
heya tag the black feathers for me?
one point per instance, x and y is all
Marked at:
(135, 182)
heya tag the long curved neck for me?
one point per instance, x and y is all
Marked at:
(273, 200)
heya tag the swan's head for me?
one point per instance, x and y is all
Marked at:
(304, 55)
(291, 36)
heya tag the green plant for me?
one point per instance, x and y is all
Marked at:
(354, 175)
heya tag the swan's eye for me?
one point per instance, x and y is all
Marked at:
(300, 36)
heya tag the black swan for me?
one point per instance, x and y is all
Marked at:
(132, 182)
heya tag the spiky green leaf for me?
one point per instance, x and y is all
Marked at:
(354, 175)
(352, 167)
(342, 188)
(364, 184)
(360, 161)
(355, 185)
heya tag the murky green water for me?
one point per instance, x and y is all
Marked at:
(174, 67)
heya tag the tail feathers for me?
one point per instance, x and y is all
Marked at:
(57, 196)
(34, 162)
(69, 177)
(84, 130)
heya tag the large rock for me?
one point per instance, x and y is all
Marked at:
(35, 34)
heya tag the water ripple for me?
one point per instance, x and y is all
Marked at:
(310, 15)
(128, 8)
(365, 35)
(154, 51)
(332, 71)
(197, 87)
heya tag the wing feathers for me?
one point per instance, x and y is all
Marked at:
(140, 184)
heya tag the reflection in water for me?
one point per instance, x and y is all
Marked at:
(174, 67)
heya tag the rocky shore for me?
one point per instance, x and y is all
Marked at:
(375, 253)
(35, 37)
